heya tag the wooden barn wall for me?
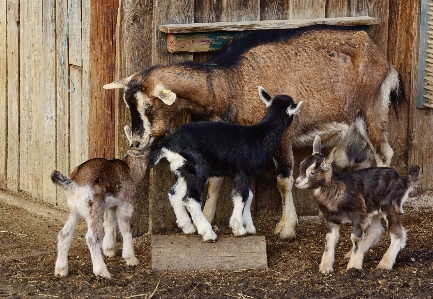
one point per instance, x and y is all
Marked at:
(44, 127)
(141, 45)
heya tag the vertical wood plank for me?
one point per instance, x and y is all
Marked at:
(3, 93)
(13, 95)
(274, 9)
(306, 9)
(379, 32)
(102, 57)
(134, 52)
(49, 101)
(62, 99)
(420, 125)
(162, 217)
(75, 27)
(239, 10)
(37, 102)
(26, 39)
(85, 76)
(400, 45)
(76, 139)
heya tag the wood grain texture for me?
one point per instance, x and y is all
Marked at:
(181, 252)
(3, 94)
(48, 146)
(13, 96)
(62, 101)
(420, 141)
(274, 9)
(161, 179)
(103, 16)
(134, 52)
(306, 9)
(266, 25)
(74, 33)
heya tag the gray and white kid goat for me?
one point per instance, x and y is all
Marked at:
(200, 150)
(102, 192)
(362, 198)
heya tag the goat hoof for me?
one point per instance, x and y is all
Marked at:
(284, 231)
(326, 270)
(384, 266)
(109, 252)
(189, 230)
(103, 273)
(241, 231)
(210, 237)
(251, 230)
(133, 261)
(62, 272)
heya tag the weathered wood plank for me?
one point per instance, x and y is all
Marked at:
(85, 76)
(379, 32)
(3, 93)
(205, 42)
(35, 146)
(62, 99)
(49, 101)
(181, 252)
(13, 95)
(306, 9)
(162, 217)
(274, 9)
(74, 33)
(299, 20)
(134, 52)
(102, 58)
(25, 115)
(421, 139)
(75, 119)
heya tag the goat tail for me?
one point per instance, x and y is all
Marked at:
(397, 93)
(414, 175)
(61, 180)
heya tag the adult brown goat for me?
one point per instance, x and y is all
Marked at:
(339, 73)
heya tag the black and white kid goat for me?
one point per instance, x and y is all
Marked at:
(200, 150)
(102, 192)
(362, 198)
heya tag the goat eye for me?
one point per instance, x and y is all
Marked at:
(313, 172)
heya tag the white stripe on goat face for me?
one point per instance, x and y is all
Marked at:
(303, 184)
(146, 138)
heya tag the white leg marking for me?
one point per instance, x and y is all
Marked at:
(64, 243)
(287, 225)
(247, 219)
(99, 266)
(203, 226)
(390, 255)
(236, 220)
(357, 256)
(213, 188)
(109, 241)
(326, 265)
(182, 218)
(124, 215)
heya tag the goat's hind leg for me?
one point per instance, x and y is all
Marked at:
(94, 235)
(64, 243)
(213, 188)
(398, 241)
(246, 215)
(109, 241)
(124, 216)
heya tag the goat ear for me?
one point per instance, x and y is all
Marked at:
(118, 84)
(326, 163)
(292, 111)
(128, 134)
(165, 95)
(265, 97)
(317, 145)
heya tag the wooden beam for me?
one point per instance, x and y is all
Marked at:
(103, 16)
(265, 25)
(183, 252)
(210, 37)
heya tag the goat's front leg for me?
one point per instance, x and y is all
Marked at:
(283, 159)
(332, 235)
(109, 241)
(64, 243)
(124, 216)
(213, 188)
(177, 193)
(94, 236)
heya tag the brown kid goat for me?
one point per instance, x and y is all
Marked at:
(362, 198)
(339, 73)
(102, 192)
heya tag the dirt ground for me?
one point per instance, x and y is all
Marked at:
(28, 252)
